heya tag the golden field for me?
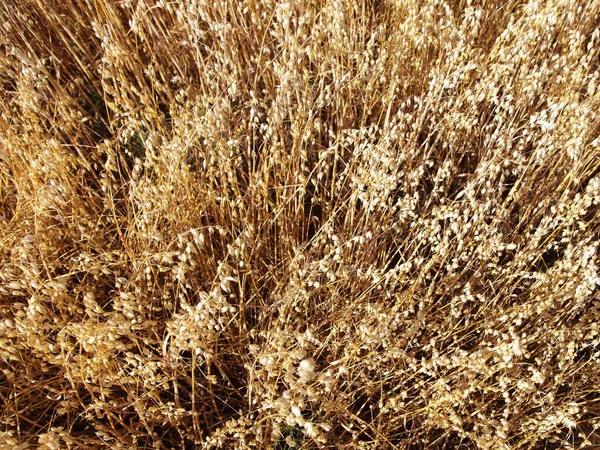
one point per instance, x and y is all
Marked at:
(310, 224)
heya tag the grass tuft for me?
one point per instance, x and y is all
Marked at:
(306, 224)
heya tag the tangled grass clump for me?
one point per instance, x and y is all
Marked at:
(306, 224)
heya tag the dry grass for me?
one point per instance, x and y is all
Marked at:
(315, 224)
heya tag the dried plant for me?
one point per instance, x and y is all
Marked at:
(306, 224)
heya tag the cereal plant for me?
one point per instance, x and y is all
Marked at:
(310, 224)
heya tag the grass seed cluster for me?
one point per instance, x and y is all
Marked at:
(311, 224)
